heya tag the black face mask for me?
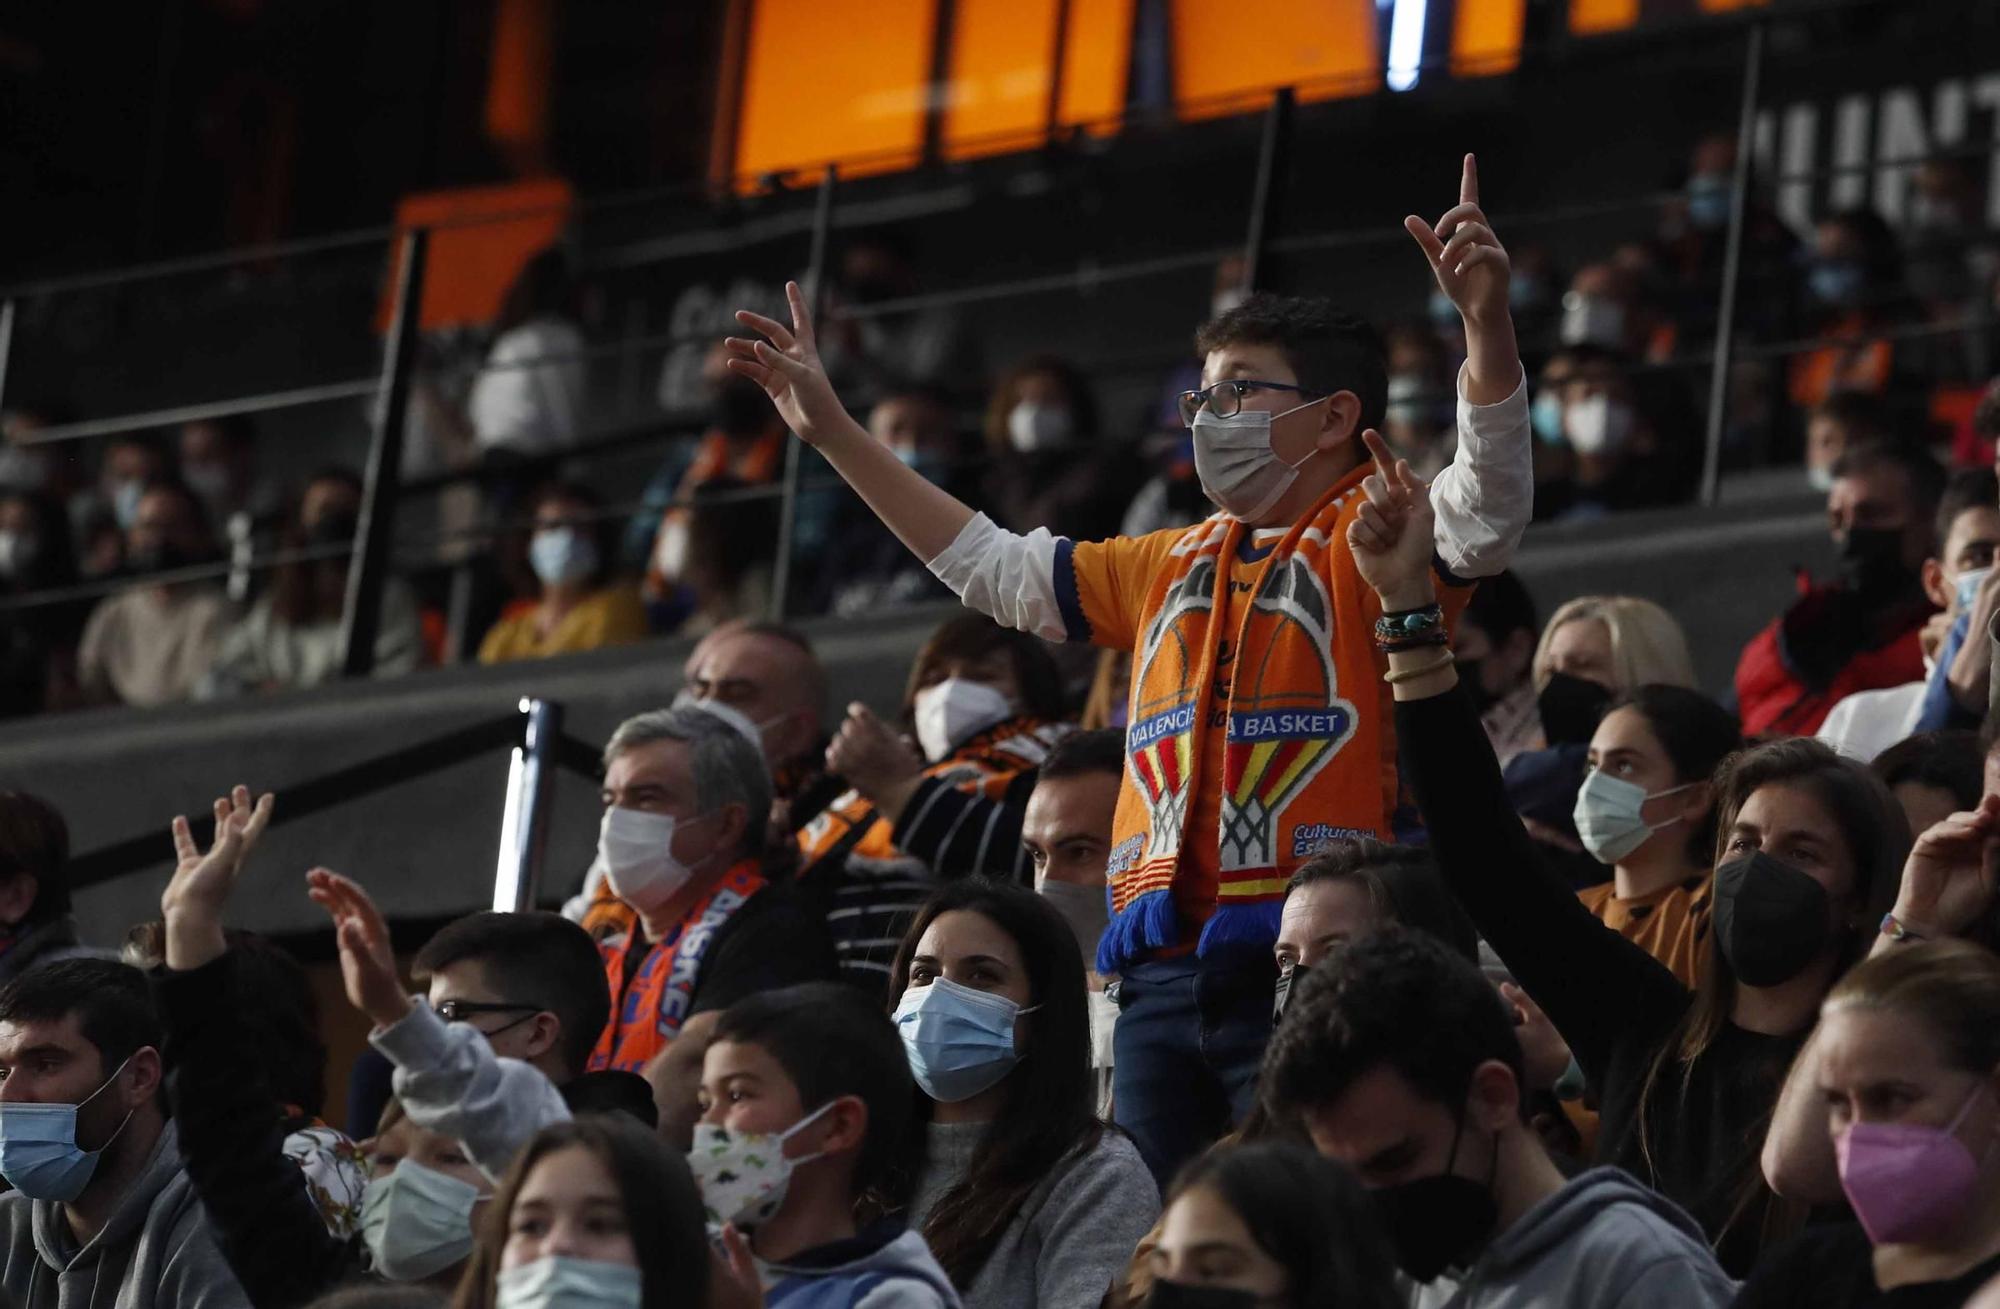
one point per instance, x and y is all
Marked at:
(741, 407)
(160, 558)
(1770, 919)
(333, 529)
(1282, 994)
(1570, 709)
(1186, 1295)
(1435, 1222)
(1871, 562)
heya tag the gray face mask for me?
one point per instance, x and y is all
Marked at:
(1237, 467)
(1083, 908)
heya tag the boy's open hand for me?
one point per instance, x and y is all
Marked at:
(786, 364)
(1471, 264)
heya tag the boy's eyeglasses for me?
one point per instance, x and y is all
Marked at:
(1225, 399)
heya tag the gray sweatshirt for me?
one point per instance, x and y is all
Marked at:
(450, 1082)
(1602, 1242)
(156, 1250)
(1073, 1236)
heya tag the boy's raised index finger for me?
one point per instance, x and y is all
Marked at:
(1468, 182)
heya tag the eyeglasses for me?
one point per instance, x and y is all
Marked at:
(459, 1011)
(1225, 399)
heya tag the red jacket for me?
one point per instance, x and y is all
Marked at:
(1777, 696)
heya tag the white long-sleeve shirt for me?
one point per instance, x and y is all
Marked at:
(450, 1082)
(1484, 500)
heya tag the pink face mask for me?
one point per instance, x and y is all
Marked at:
(1908, 1182)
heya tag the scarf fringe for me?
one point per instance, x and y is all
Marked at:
(1149, 923)
(1236, 925)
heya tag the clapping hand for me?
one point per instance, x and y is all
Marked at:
(876, 761)
(194, 899)
(1470, 263)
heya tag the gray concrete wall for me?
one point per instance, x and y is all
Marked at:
(428, 849)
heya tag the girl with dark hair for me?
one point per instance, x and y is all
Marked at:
(596, 1212)
(1806, 861)
(1270, 1223)
(1647, 808)
(985, 705)
(578, 604)
(1025, 1197)
(1899, 1092)
(1051, 466)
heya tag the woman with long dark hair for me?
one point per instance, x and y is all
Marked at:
(1025, 1196)
(1807, 860)
(1274, 1220)
(595, 1212)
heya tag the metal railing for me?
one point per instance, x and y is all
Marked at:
(1264, 234)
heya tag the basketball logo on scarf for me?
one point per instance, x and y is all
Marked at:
(1160, 741)
(1283, 729)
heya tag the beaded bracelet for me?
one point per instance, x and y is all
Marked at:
(1412, 627)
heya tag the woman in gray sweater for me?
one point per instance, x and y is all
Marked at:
(1025, 1196)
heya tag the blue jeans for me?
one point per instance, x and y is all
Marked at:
(1190, 1035)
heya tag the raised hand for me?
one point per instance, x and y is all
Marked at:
(787, 365)
(1470, 263)
(733, 1280)
(1950, 877)
(367, 962)
(201, 885)
(1391, 535)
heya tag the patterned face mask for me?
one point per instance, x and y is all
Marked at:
(743, 1176)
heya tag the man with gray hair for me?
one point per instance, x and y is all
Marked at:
(683, 842)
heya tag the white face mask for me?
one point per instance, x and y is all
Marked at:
(954, 711)
(417, 1222)
(1598, 426)
(1965, 591)
(1238, 469)
(1592, 320)
(1033, 427)
(749, 730)
(639, 863)
(17, 553)
(670, 552)
(743, 1176)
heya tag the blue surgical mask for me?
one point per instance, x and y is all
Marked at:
(1609, 815)
(1546, 416)
(39, 1155)
(959, 1041)
(560, 1282)
(1836, 281)
(417, 1222)
(562, 555)
(1967, 587)
(125, 502)
(1708, 201)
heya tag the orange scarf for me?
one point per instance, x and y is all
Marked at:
(985, 765)
(1308, 757)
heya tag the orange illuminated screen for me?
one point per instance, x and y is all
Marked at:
(997, 93)
(1228, 53)
(481, 237)
(1590, 16)
(834, 80)
(1095, 59)
(1486, 37)
(1001, 51)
